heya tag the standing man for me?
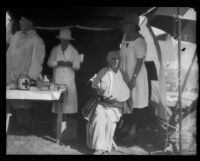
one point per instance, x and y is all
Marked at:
(25, 55)
(133, 52)
(65, 60)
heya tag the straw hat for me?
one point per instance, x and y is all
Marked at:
(65, 34)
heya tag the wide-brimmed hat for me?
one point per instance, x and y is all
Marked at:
(65, 34)
(131, 19)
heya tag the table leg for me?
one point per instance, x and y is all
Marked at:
(8, 115)
(59, 122)
(7, 121)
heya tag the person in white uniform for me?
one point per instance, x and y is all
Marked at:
(65, 60)
(133, 52)
(25, 55)
(114, 93)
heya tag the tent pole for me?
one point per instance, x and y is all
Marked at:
(148, 11)
(179, 81)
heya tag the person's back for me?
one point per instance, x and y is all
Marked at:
(25, 56)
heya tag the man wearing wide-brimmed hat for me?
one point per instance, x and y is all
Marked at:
(65, 60)
(25, 55)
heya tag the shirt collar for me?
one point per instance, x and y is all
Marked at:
(69, 46)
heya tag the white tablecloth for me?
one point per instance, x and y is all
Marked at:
(33, 94)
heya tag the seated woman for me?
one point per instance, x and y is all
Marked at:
(114, 93)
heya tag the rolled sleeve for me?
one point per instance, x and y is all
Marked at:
(140, 48)
(100, 80)
(52, 62)
(77, 60)
(96, 82)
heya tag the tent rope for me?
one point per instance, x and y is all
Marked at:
(73, 26)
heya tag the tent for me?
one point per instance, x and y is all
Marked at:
(154, 53)
(104, 38)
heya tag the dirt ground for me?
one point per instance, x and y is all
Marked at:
(39, 141)
(42, 145)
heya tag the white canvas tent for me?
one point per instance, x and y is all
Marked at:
(154, 54)
(185, 62)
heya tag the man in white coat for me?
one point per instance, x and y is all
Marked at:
(25, 56)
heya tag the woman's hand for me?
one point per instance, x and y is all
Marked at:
(60, 63)
(132, 83)
(68, 64)
(65, 64)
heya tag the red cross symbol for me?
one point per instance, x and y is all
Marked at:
(25, 83)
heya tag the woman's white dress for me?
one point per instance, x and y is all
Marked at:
(130, 51)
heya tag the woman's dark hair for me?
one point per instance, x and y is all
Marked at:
(137, 28)
(111, 53)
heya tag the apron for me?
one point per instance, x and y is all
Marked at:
(66, 76)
